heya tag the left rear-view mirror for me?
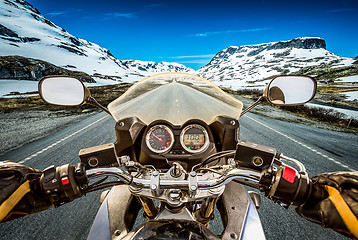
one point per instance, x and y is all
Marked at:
(63, 90)
(290, 90)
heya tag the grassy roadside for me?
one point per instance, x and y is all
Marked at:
(334, 89)
(334, 95)
(329, 116)
(103, 94)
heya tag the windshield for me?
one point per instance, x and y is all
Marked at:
(175, 97)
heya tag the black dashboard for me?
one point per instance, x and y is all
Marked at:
(163, 141)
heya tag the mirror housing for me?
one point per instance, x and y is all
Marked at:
(287, 90)
(63, 91)
(66, 91)
(290, 90)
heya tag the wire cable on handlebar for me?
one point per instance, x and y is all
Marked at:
(211, 170)
(102, 186)
(99, 181)
(216, 156)
(247, 183)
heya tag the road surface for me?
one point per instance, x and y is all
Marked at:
(319, 150)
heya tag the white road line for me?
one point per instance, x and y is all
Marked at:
(59, 141)
(303, 145)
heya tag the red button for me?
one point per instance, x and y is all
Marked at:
(65, 180)
(289, 174)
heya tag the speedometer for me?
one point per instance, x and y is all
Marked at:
(194, 138)
(159, 139)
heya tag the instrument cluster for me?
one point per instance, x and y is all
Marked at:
(165, 139)
(162, 143)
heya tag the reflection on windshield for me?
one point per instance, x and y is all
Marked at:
(175, 97)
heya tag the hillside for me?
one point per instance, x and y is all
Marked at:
(25, 32)
(21, 68)
(249, 66)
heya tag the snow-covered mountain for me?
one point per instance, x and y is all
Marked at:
(25, 32)
(145, 67)
(248, 66)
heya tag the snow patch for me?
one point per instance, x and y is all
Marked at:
(350, 79)
(21, 86)
(352, 96)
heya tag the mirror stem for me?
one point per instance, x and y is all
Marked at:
(258, 102)
(92, 101)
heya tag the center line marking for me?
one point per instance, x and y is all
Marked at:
(303, 145)
(59, 141)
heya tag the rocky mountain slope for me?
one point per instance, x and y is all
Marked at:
(249, 66)
(21, 68)
(25, 32)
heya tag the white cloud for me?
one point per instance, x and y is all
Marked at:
(153, 5)
(119, 15)
(64, 13)
(56, 13)
(199, 61)
(194, 56)
(339, 10)
(205, 34)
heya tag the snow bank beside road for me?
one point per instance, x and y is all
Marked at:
(21, 86)
(352, 95)
(350, 79)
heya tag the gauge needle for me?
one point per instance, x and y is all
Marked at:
(157, 137)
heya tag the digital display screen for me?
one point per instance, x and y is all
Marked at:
(194, 141)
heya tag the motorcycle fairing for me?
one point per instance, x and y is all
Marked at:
(100, 226)
(241, 220)
(116, 215)
(233, 207)
(253, 228)
(176, 98)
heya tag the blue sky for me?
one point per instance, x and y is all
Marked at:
(192, 32)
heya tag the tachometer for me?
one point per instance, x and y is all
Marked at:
(159, 139)
(194, 138)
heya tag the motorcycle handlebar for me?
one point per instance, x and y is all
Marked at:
(285, 186)
(174, 184)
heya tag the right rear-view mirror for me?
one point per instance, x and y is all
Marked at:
(290, 90)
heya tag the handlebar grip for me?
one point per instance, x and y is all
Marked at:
(316, 194)
(287, 186)
(63, 184)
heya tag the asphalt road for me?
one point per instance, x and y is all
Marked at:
(318, 149)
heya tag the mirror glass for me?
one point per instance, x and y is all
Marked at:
(62, 90)
(291, 90)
